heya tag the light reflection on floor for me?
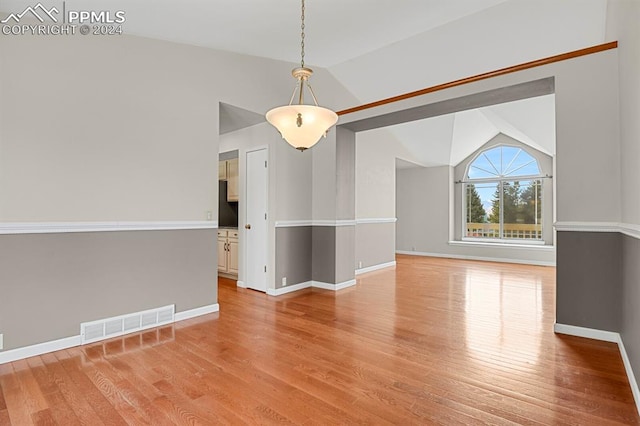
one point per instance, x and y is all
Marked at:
(503, 314)
(128, 343)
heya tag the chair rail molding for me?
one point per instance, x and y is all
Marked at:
(628, 229)
(309, 222)
(376, 220)
(9, 228)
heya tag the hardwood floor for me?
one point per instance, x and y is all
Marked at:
(434, 341)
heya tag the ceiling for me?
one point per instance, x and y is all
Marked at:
(336, 30)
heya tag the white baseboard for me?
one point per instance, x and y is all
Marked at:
(289, 288)
(632, 378)
(241, 284)
(375, 267)
(607, 336)
(589, 333)
(69, 342)
(334, 287)
(345, 284)
(482, 258)
(192, 313)
(39, 349)
(307, 284)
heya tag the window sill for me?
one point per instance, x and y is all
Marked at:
(541, 247)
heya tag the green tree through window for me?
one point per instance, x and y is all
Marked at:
(519, 205)
(475, 210)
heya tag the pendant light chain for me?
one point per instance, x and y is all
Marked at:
(302, 36)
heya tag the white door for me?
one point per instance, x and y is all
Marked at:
(256, 220)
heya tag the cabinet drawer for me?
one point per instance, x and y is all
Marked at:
(233, 234)
(222, 233)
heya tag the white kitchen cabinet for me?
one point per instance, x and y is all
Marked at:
(228, 170)
(232, 259)
(228, 252)
(222, 253)
(232, 180)
(222, 170)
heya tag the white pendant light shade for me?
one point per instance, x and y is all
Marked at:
(299, 124)
(302, 125)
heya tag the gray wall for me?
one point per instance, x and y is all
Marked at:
(376, 153)
(375, 185)
(375, 244)
(333, 199)
(598, 285)
(589, 280)
(345, 189)
(630, 321)
(622, 25)
(306, 253)
(422, 207)
(323, 252)
(53, 282)
(345, 250)
(345, 246)
(136, 139)
(293, 255)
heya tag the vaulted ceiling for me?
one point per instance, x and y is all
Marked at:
(449, 139)
(377, 49)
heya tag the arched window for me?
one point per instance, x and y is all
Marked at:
(503, 195)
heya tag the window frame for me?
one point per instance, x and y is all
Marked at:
(499, 180)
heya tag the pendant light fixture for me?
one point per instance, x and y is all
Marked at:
(302, 125)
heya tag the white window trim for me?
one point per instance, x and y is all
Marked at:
(495, 242)
(528, 245)
(506, 241)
